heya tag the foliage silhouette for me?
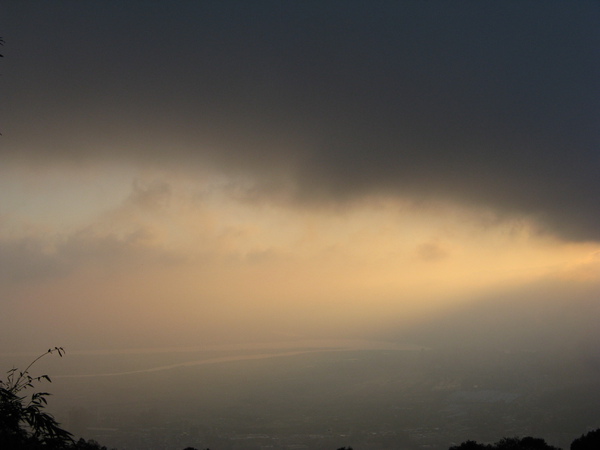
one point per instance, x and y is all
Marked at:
(526, 443)
(470, 445)
(515, 443)
(23, 422)
(82, 444)
(588, 441)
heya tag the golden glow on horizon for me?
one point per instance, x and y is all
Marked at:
(179, 256)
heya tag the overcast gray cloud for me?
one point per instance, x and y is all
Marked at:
(490, 103)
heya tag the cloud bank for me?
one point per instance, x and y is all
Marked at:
(492, 105)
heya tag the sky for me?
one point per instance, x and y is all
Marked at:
(217, 172)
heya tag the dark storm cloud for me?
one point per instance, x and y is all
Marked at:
(491, 103)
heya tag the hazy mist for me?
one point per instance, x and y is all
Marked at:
(198, 181)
